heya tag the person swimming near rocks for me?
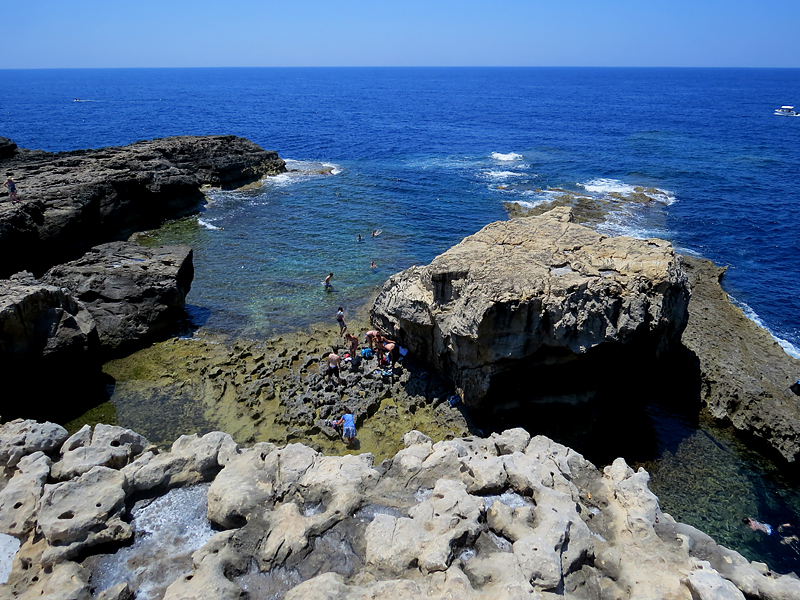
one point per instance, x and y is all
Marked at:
(783, 531)
(373, 265)
(376, 233)
(757, 525)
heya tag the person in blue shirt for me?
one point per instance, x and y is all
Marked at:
(349, 429)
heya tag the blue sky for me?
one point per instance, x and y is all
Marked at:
(244, 33)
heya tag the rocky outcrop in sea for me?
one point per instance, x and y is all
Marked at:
(509, 516)
(527, 292)
(101, 296)
(72, 201)
(746, 376)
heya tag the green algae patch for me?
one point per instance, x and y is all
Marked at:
(104, 413)
(272, 390)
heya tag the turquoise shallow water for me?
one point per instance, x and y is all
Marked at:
(429, 156)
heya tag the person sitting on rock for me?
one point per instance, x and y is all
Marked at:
(333, 366)
(349, 426)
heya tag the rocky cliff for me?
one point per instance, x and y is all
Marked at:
(72, 201)
(55, 332)
(504, 517)
(532, 291)
(133, 293)
(745, 375)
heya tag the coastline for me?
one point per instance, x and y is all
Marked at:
(227, 380)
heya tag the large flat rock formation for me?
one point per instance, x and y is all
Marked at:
(532, 291)
(72, 201)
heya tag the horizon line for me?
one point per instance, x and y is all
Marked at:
(397, 67)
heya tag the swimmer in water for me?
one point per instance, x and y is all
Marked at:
(373, 265)
(376, 233)
(327, 282)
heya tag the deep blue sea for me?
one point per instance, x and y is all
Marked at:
(429, 155)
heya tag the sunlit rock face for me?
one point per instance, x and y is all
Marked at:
(536, 289)
(508, 516)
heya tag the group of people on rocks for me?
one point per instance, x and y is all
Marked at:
(386, 350)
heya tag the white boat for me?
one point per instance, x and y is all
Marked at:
(787, 111)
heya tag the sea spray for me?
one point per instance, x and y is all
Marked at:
(167, 531)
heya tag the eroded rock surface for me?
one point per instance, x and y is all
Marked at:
(298, 524)
(134, 293)
(540, 285)
(745, 374)
(42, 322)
(74, 200)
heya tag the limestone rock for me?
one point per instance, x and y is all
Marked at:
(208, 579)
(193, 459)
(83, 512)
(109, 446)
(520, 287)
(43, 330)
(72, 201)
(745, 375)
(246, 482)
(7, 148)
(427, 537)
(338, 527)
(19, 438)
(19, 500)
(708, 585)
(67, 581)
(133, 293)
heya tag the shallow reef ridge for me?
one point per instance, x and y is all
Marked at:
(507, 516)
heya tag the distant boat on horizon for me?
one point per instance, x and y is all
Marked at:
(787, 111)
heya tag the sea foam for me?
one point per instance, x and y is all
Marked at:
(9, 546)
(511, 156)
(787, 346)
(167, 532)
(207, 225)
(607, 187)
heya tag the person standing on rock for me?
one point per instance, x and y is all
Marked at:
(333, 366)
(353, 344)
(340, 320)
(12, 189)
(349, 426)
(369, 338)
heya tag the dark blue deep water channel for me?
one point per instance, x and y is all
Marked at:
(429, 156)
